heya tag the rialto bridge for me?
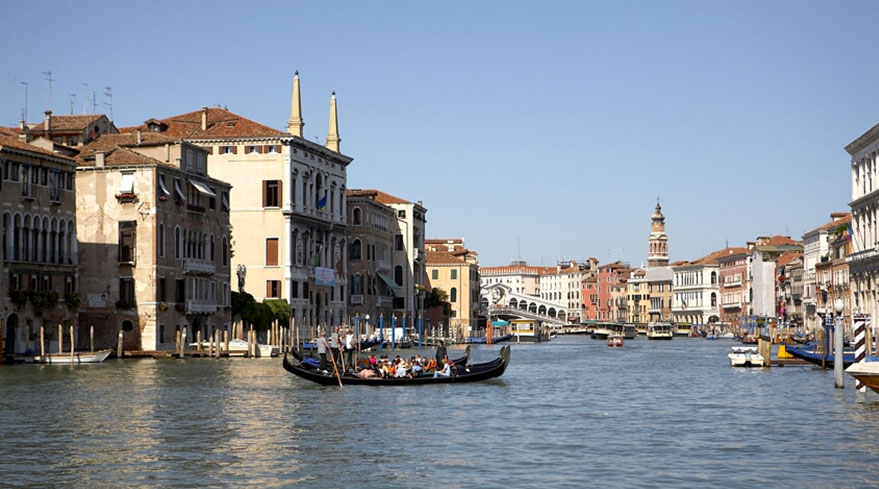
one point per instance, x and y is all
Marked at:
(499, 301)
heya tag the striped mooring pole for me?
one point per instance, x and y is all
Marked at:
(861, 323)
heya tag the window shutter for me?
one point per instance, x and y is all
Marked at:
(265, 193)
(279, 197)
(278, 147)
(234, 150)
(260, 149)
(210, 150)
(268, 288)
(271, 252)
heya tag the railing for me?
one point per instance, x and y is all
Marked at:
(734, 283)
(862, 255)
(356, 300)
(194, 266)
(200, 307)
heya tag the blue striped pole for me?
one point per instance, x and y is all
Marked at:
(394, 332)
(381, 331)
(419, 332)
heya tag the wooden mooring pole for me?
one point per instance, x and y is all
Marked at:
(72, 344)
(60, 339)
(92, 338)
(119, 345)
(42, 343)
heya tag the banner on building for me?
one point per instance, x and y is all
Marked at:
(324, 277)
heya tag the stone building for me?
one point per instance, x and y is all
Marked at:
(371, 230)
(564, 285)
(154, 241)
(697, 289)
(735, 291)
(518, 275)
(638, 297)
(455, 269)
(864, 258)
(816, 248)
(39, 280)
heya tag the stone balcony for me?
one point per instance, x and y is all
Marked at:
(192, 266)
(200, 307)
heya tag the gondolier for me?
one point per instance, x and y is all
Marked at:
(334, 346)
(349, 350)
(322, 349)
(441, 353)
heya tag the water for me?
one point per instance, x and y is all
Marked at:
(570, 413)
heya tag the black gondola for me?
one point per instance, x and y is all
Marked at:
(460, 373)
(457, 361)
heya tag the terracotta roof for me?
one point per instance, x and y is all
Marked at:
(442, 258)
(66, 123)
(514, 269)
(378, 195)
(13, 142)
(106, 142)
(718, 255)
(788, 257)
(781, 241)
(221, 124)
(836, 223)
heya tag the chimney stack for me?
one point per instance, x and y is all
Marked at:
(99, 159)
(139, 137)
(21, 124)
(47, 121)
(204, 118)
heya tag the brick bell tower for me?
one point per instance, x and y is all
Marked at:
(657, 243)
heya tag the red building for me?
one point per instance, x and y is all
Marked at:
(602, 292)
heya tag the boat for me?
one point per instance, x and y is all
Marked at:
(615, 340)
(811, 355)
(78, 357)
(628, 331)
(745, 356)
(460, 373)
(659, 331)
(726, 336)
(749, 340)
(457, 361)
(683, 329)
(602, 331)
(239, 347)
(867, 373)
(482, 339)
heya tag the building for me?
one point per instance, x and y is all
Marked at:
(518, 275)
(407, 254)
(638, 297)
(371, 233)
(735, 294)
(68, 130)
(154, 241)
(604, 293)
(289, 199)
(455, 269)
(833, 278)
(697, 289)
(790, 290)
(39, 280)
(816, 248)
(864, 259)
(659, 274)
(564, 285)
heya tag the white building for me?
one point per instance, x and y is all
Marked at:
(564, 285)
(864, 259)
(518, 275)
(762, 285)
(816, 248)
(697, 290)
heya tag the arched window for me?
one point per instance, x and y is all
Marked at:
(357, 217)
(225, 252)
(26, 242)
(713, 299)
(161, 239)
(355, 252)
(713, 278)
(178, 246)
(357, 284)
(398, 275)
(71, 243)
(453, 295)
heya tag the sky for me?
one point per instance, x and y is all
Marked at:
(533, 130)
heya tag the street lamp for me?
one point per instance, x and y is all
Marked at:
(838, 305)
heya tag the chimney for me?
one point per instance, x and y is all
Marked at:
(47, 121)
(204, 118)
(139, 137)
(21, 124)
(99, 159)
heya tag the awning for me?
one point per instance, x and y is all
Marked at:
(387, 280)
(201, 187)
(180, 194)
(162, 185)
(127, 185)
(225, 202)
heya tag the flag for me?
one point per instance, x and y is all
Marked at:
(339, 269)
(322, 202)
(317, 255)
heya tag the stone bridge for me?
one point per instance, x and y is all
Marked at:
(499, 300)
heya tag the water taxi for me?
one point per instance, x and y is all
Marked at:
(867, 373)
(659, 331)
(745, 356)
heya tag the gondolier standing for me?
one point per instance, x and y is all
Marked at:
(349, 350)
(334, 346)
(441, 353)
(322, 349)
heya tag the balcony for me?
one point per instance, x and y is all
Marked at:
(868, 254)
(734, 283)
(356, 300)
(198, 267)
(732, 305)
(200, 307)
(28, 190)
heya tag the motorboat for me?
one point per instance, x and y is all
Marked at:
(602, 331)
(659, 331)
(239, 348)
(867, 373)
(615, 340)
(745, 356)
(77, 357)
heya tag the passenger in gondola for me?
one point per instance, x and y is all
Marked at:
(431, 366)
(322, 350)
(441, 352)
(416, 366)
(446, 371)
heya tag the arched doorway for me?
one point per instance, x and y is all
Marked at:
(9, 340)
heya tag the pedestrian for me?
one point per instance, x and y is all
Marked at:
(334, 346)
(441, 352)
(349, 350)
(322, 350)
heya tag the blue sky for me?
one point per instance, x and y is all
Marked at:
(539, 129)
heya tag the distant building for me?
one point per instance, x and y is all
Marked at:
(697, 289)
(564, 285)
(68, 130)
(518, 275)
(816, 248)
(833, 278)
(864, 258)
(605, 293)
(638, 297)
(39, 279)
(735, 292)
(455, 269)
(659, 274)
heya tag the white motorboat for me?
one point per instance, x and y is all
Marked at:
(239, 348)
(867, 373)
(745, 356)
(77, 357)
(659, 331)
(615, 340)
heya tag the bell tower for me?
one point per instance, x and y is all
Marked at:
(657, 243)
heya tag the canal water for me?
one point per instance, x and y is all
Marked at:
(569, 413)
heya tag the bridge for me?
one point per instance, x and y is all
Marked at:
(499, 300)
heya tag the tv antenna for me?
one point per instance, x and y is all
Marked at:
(85, 101)
(49, 80)
(108, 93)
(24, 114)
(72, 102)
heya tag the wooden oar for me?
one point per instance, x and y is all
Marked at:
(335, 369)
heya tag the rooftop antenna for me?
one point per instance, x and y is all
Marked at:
(518, 249)
(85, 101)
(94, 102)
(49, 80)
(72, 102)
(108, 93)
(24, 114)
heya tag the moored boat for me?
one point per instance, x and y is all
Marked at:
(810, 354)
(867, 373)
(78, 357)
(460, 373)
(602, 331)
(745, 356)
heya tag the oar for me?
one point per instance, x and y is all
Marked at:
(335, 369)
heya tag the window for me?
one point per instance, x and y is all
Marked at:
(252, 150)
(271, 252)
(212, 199)
(225, 197)
(453, 295)
(398, 242)
(401, 214)
(294, 289)
(225, 252)
(228, 150)
(357, 285)
(44, 176)
(453, 274)
(180, 195)
(161, 333)
(162, 291)
(178, 247)
(355, 252)
(126, 290)
(180, 291)
(356, 216)
(271, 192)
(126, 241)
(161, 239)
(200, 157)
(434, 274)
(213, 245)
(273, 288)
(398, 275)
(272, 148)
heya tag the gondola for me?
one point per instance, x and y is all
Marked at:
(460, 373)
(457, 361)
(808, 354)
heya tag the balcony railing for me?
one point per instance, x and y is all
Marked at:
(862, 255)
(732, 305)
(201, 267)
(356, 300)
(734, 283)
(200, 307)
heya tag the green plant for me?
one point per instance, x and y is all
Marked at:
(73, 300)
(19, 297)
(42, 300)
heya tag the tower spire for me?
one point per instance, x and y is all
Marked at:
(333, 138)
(295, 124)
